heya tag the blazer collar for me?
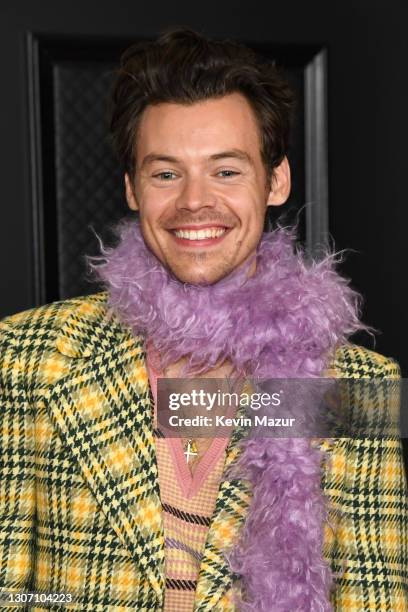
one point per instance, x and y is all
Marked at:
(91, 328)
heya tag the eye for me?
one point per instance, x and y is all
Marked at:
(227, 173)
(165, 176)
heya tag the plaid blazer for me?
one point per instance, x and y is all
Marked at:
(80, 508)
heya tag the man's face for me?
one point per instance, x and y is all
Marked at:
(201, 186)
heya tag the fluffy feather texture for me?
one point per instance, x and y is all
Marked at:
(284, 321)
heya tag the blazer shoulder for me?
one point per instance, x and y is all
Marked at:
(38, 327)
(354, 361)
(53, 314)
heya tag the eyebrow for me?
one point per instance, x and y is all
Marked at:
(235, 154)
(231, 153)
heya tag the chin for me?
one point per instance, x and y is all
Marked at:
(202, 277)
(195, 280)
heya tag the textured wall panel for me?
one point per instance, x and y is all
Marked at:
(89, 187)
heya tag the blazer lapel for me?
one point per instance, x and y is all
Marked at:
(102, 410)
(233, 501)
(215, 578)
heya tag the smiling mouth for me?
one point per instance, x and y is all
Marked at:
(208, 233)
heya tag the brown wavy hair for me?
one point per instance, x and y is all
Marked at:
(184, 67)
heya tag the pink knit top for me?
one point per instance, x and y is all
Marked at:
(188, 503)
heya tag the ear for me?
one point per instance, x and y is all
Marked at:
(130, 194)
(280, 184)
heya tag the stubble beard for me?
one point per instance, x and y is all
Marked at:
(209, 275)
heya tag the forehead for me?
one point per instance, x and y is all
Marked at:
(200, 128)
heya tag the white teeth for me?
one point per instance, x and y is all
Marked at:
(200, 234)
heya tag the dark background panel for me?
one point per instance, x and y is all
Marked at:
(89, 192)
(367, 127)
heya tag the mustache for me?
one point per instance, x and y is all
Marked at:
(199, 218)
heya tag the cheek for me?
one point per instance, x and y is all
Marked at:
(250, 207)
(154, 203)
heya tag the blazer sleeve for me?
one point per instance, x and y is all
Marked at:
(17, 473)
(371, 553)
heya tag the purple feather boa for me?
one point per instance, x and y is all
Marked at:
(284, 321)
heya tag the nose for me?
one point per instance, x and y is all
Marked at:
(195, 195)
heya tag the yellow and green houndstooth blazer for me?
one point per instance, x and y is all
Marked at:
(80, 508)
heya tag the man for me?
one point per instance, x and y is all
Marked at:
(96, 507)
